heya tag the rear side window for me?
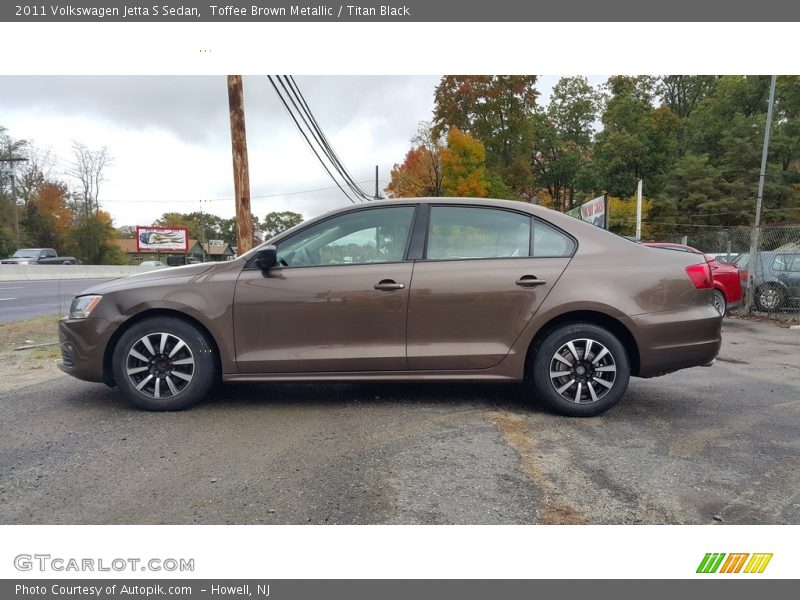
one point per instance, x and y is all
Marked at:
(550, 242)
(458, 232)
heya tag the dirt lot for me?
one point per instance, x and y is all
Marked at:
(706, 445)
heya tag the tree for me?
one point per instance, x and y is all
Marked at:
(573, 109)
(9, 211)
(420, 173)
(92, 240)
(278, 222)
(47, 216)
(683, 93)
(495, 109)
(464, 166)
(638, 140)
(88, 167)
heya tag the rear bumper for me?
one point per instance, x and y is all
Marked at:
(83, 344)
(674, 340)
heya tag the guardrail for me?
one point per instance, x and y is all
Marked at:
(34, 272)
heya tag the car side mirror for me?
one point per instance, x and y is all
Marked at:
(267, 257)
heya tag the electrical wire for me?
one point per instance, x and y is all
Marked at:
(331, 153)
(291, 91)
(322, 140)
(310, 145)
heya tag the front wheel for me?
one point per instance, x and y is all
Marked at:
(165, 363)
(580, 370)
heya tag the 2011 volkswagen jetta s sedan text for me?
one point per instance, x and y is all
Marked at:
(422, 289)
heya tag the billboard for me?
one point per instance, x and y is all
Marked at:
(593, 211)
(152, 238)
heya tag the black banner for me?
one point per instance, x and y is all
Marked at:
(406, 11)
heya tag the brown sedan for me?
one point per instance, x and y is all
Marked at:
(435, 289)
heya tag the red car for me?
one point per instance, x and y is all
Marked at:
(727, 284)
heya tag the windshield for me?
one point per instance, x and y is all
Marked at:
(26, 253)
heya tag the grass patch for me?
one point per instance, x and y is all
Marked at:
(38, 330)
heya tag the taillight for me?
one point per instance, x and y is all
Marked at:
(743, 276)
(700, 276)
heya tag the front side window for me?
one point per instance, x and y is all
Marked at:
(375, 235)
(459, 232)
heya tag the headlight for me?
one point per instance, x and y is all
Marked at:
(82, 306)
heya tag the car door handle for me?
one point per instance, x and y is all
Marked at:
(388, 285)
(528, 281)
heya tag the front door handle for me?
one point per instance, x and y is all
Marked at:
(388, 285)
(528, 281)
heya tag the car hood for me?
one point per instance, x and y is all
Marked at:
(138, 279)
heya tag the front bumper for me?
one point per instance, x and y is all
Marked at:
(83, 345)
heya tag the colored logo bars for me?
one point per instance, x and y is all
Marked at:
(713, 562)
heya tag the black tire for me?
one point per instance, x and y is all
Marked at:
(171, 363)
(769, 298)
(719, 302)
(594, 397)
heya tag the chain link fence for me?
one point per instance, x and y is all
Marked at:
(771, 280)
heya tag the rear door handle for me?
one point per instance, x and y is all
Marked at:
(388, 285)
(529, 281)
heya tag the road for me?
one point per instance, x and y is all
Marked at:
(25, 299)
(703, 446)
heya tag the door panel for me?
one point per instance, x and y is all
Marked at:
(466, 314)
(329, 318)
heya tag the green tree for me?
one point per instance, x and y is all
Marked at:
(9, 147)
(92, 240)
(638, 140)
(278, 222)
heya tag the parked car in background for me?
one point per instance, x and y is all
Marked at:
(723, 257)
(727, 282)
(152, 264)
(501, 291)
(777, 285)
(38, 256)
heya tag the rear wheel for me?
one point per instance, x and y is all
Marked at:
(580, 370)
(164, 363)
(718, 299)
(769, 298)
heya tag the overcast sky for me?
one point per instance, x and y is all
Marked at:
(170, 136)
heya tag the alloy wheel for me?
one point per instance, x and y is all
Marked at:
(583, 371)
(160, 365)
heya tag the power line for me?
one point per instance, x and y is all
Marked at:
(310, 145)
(291, 91)
(296, 193)
(324, 140)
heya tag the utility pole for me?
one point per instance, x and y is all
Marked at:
(202, 231)
(241, 171)
(639, 211)
(377, 195)
(12, 162)
(755, 258)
